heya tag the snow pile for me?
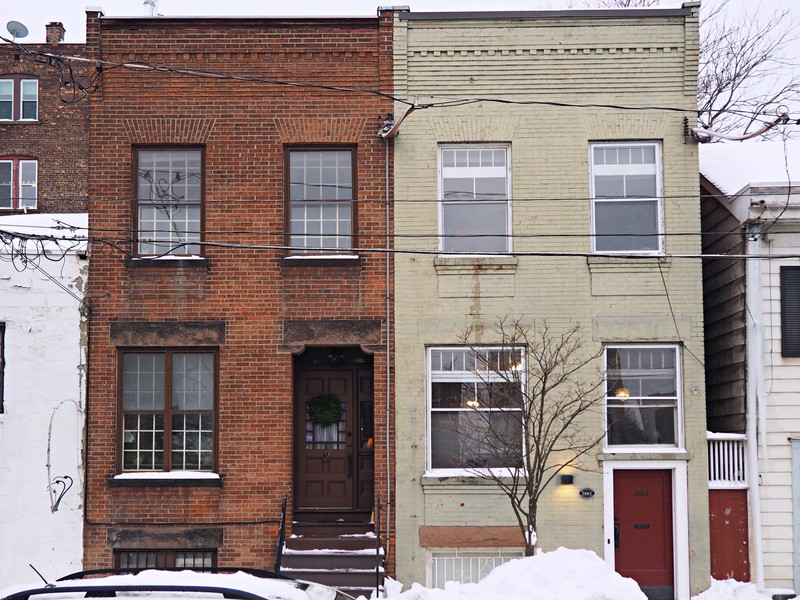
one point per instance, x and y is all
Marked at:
(563, 573)
(730, 589)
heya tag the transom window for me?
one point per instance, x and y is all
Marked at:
(169, 201)
(321, 193)
(626, 197)
(475, 407)
(18, 183)
(475, 212)
(642, 395)
(164, 559)
(19, 98)
(168, 410)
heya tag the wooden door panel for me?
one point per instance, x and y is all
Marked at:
(643, 530)
(730, 552)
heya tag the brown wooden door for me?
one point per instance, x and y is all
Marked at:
(324, 473)
(643, 530)
(730, 553)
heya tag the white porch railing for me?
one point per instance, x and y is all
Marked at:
(727, 460)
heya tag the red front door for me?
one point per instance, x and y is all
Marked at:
(730, 554)
(643, 530)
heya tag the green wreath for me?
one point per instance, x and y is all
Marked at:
(324, 409)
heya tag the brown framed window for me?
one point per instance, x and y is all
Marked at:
(163, 559)
(169, 201)
(19, 98)
(320, 185)
(18, 183)
(168, 405)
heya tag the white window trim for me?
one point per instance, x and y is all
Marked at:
(13, 103)
(440, 208)
(16, 183)
(659, 199)
(680, 445)
(508, 553)
(22, 104)
(430, 470)
(680, 515)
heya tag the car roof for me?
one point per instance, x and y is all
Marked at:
(167, 584)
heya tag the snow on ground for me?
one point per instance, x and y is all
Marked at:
(560, 574)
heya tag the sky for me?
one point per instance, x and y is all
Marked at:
(34, 14)
(556, 575)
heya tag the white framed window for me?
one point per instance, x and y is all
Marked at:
(626, 197)
(475, 407)
(321, 194)
(466, 565)
(18, 183)
(475, 192)
(19, 99)
(643, 396)
(169, 201)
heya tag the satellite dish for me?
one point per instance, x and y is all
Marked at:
(17, 29)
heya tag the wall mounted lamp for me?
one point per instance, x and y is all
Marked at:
(567, 479)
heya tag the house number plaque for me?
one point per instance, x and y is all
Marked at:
(586, 493)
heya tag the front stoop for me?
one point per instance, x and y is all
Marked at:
(338, 549)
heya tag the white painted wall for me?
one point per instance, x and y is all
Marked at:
(44, 394)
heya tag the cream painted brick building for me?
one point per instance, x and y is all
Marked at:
(495, 215)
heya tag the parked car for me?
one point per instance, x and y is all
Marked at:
(171, 584)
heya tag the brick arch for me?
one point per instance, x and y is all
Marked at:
(169, 130)
(347, 130)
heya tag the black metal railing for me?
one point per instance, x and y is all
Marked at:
(281, 537)
(378, 559)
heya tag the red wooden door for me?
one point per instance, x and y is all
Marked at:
(643, 530)
(325, 454)
(730, 553)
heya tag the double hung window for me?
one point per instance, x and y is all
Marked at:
(642, 395)
(476, 397)
(19, 99)
(626, 197)
(474, 210)
(168, 403)
(18, 183)
(790, 311)
(321, 190)
(169, 197)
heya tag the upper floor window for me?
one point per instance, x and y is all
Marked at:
(321, 192)
(19, 98)
(168, 404)
(626, 197)
(169, 196)
(642, 395)
(474, 189)
(476, 397)
(790, 311)
(18, 183)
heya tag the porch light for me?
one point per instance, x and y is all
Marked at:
(567, 479)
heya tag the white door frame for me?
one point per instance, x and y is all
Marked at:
(680, 514)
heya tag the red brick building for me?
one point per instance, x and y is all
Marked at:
(43, 127)
(239, 334)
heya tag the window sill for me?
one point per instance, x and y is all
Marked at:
(166, 479)
(644, 453)
(454, 478)
(317, 260)
(449, 264)
(197, 262)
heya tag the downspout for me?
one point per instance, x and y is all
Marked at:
(755, 389)
(388, 355)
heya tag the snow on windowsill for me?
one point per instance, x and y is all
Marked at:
(168, 475)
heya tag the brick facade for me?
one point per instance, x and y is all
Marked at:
(242, 294)
(58, 140)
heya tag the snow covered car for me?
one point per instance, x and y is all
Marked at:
(172, 584)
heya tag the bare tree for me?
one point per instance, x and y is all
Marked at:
(524, 420)
(748, 72)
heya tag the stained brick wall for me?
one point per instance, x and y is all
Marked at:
(244, 127)
(59, 139)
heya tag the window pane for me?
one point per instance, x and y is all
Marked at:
(633, 424)
(609, 186)
(6, 100)
(143, 381)
(30, 99)
(27, 183)
(638, 186)
(192, 381)
(475, 227)
(626, 225)
(475, 439)
(143, 441)
(6, 185)
(451, 394)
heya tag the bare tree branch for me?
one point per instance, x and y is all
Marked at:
(538, 389)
